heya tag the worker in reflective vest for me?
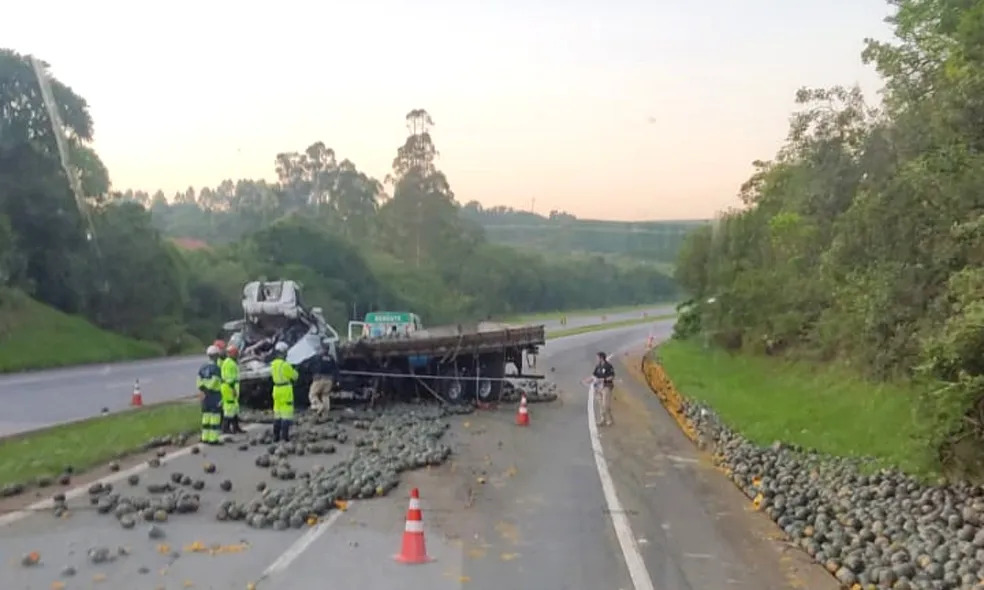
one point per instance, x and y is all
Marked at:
(209, 383)
(230, 391)
(283, 375)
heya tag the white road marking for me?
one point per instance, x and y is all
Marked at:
(48, 503)
(623, 530)
(302, 543)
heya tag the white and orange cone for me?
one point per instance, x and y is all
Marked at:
(414, 550)
(523, 413)
(136, 398)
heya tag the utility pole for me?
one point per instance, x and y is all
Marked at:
(533, 205)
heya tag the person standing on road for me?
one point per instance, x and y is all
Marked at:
(230, 392)
(209, 387)
(325, 377)
(284, 375)
(604, 375)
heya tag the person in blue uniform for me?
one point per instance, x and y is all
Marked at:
(210, 393)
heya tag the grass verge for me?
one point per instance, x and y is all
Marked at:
(817, 407)
(607, 326)
(88, 443)
(574, 313)
(35, 336)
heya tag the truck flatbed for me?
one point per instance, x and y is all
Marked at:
(478, 338)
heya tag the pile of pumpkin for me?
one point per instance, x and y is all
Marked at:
(869, 528)
(386, 443)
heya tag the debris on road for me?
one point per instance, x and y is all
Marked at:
(379, 445)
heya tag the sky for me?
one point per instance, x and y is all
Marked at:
(625, 109)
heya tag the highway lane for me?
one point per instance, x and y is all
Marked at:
(515, 508)
(37, 399)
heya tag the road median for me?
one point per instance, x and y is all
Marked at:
(52, 456)
(806, 447)
(608, 326)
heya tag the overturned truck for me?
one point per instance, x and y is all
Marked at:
(464, 363)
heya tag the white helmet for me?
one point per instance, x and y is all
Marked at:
(281, 347)
(212, 350)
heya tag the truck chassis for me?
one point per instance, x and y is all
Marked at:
(456, 365)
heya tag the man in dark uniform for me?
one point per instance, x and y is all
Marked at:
(325, 378)
(604, 386)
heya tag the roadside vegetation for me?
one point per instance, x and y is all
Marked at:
(170, 270)
(45, 454)
(817, 407)
(36, 336)
(860, 245)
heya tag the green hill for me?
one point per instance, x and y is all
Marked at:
(561, 233)
(35, 336)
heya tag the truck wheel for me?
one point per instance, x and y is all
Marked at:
(492, 368)
(484, 389)
(454, 391)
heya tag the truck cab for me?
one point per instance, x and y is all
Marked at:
(385, 324)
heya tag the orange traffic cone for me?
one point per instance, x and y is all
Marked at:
(414, 550)
(136, 400)
(522, 414)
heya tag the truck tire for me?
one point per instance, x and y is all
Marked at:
(492, 367)
(452, 390)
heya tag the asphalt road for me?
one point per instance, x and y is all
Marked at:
(37, 399)
(558, 505)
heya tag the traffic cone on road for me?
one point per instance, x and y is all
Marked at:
(523, 413)
(136, 400)
(414, 550)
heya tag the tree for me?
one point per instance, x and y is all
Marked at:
(48, 233)
(421, 220)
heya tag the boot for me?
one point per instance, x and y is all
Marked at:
(236, 428)
(276, 430)
(285, 430)
(224, 425)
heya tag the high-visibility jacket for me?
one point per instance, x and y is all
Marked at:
(230, 379)
(283, 375)
(209, 378)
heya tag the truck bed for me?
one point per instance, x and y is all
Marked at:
(475, 338)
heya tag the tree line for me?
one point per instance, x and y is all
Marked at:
(862, 241)
(71, 241)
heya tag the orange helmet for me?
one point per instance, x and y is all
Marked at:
(220, 344)
(232, 351)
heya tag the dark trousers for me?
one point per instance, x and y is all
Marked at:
(281, 430)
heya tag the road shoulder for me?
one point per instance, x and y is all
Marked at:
(694, 527)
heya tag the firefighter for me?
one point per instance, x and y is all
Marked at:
(283, 375)
(209, 387)
(230, 392)
(604, 385)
